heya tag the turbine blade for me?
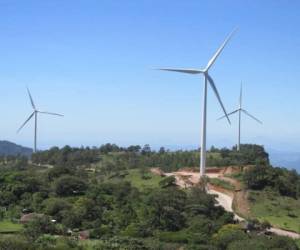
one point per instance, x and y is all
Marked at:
(50, 113)
(187, 71)
(31, 100)
(213, 86)
(25, 122)
(213, 59)
(231, 113)
(254, 118)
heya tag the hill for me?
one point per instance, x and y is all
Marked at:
(10, 148)
(110, 195)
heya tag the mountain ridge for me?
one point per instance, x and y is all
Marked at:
(11, 148)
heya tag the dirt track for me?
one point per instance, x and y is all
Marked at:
(187, 179)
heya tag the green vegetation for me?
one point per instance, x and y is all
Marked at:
(284, 182)
(238, 176)
(274, 195)
(280, 211)
(249, 154)
(221, 183)
(132, 157)
(298, 243)
(142, 180)
(9, 227)
(109, 195)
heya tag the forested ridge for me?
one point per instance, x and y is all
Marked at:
(137, 156)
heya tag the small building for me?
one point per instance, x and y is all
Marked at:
(84, 235)
(25, 218)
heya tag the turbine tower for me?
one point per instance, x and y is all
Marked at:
(35, 114)
(240, 110)
(207, 78)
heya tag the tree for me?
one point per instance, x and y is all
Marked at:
(146, 150)
(281, 180)
(165, 209)
(228, 234)
(117, 243)
(7, 198)
(71, 218)
(54, 207)
(257, 177)
(58, 171)
(69, 185)
(38, 226)
(134, 148)
(161, 150)
(88, 209)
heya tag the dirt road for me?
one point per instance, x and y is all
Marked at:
(187, 179)
(225, 201)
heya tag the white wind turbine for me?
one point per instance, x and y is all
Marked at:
(240, 110)
(35, 113)
(207, 78)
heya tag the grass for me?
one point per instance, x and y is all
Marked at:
(10, 227)
(221, 183)
(238, 176)
(136, 180)
(280, 211)
(89, 244)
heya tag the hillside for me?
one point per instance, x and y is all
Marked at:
(10, 148)
(266, 205)
(109, 196)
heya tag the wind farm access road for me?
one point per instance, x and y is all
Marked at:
(225, 199)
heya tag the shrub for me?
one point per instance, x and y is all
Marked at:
(175, 237)
(39, 226)
(168, 182)
(14, 243)
(227, 234)
(117, 243)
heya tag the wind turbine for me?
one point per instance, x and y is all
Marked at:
(35, 114)
(240, 110)
(207, 78)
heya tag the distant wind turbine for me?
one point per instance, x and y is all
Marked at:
(207, 78)
(240, 110)
(35, 113)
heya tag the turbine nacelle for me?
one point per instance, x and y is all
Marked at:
(240, 110)
(207, 77)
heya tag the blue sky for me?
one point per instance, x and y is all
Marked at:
(93, 61)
